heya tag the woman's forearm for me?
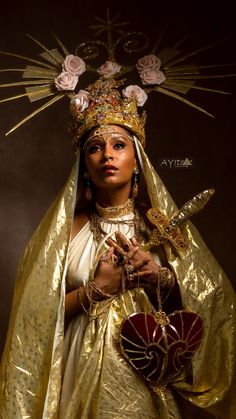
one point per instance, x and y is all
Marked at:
(76, 302)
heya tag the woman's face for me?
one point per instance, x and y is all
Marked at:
(109, 157)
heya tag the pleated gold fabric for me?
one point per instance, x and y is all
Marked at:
(31, 363)
(105, 385)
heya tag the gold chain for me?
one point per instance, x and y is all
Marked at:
(137, 223)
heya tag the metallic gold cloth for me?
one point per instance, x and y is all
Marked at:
(31, 365)
(30, 369)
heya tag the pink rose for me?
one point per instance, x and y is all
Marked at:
(148, 62)
(66, 81)
(74, 65)
(135, 92)
(81, 100)
(152, 77)
(109, 68)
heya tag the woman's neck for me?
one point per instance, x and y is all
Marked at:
(112, 198)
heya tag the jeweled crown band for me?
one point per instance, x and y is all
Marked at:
(103, 133)
(106, 107)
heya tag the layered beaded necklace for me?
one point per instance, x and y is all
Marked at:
(111, 214)
(116, 211)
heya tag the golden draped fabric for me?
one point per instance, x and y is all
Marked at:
(31, 365)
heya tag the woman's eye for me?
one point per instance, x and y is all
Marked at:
(93, 148)
(119, 145)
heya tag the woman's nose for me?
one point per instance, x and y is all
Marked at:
(108, 152)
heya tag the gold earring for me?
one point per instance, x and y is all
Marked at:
(135, 183)
(88, 190)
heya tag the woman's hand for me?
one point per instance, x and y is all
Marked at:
(106, 283)
(140, 266)
(108, 275)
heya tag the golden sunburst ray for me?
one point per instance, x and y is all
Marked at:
(176, 74)
(46, 92)
(170, 53)
(26, 83)
(186, 68)
(193, 86)
(49, 52)
(201, 77)
(63, 47)
(182, 99)
(37, 71)
(40, 92)
(32, 72)
(195, 52)
(178, 87)
(181, 41)
(32, 60)
(157, 43)
(41, 108)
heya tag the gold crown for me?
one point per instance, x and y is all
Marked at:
(106, 106)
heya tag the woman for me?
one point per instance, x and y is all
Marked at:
(93, 275)
(110, 163)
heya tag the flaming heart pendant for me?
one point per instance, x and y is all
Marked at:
(160, 349)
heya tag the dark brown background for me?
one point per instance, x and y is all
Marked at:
(36, 160)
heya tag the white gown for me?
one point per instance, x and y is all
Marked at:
(120, 403)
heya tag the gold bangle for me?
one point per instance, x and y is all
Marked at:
(166, 277)
(167, 282)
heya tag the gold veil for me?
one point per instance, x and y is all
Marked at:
(31, 364)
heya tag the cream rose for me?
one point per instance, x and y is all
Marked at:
(152, 77)
(81, 100)
(135, 92)
(109, 68)
(66, 81)
(74, 65)
(148, 62)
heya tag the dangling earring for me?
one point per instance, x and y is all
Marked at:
(88, 190)
(135, 183)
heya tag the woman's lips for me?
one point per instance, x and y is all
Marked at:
(109, 169)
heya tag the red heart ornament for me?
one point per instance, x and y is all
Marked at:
(160, 351)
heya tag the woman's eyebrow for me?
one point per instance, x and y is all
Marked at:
(113, 136)
(125, 137)
(92, 141)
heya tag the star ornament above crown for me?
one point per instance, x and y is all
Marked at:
(109, 100)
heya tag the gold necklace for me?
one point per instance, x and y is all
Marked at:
(136, 222)
(115, 211)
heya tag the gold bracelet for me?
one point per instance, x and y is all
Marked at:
(94, 287)
(166, 277)
(167, 282)
(80, 299)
